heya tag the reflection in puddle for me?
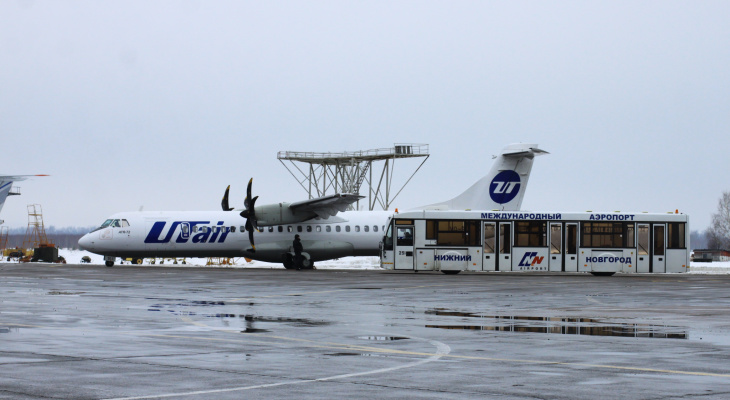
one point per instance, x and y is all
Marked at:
(564, 326)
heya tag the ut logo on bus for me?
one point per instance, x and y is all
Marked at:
(504, 187)
(205, 235)
(530, 259)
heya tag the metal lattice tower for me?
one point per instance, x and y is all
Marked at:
(35, 235)
(321, 174)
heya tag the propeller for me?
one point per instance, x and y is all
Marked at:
(250, 214)
(224, 202)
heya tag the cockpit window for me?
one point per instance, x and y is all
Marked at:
(125, 223)
(106, 223)
(116, 223)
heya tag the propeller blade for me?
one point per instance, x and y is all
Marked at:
(224, 202)
(250, 237)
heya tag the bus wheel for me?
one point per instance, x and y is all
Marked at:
(450, 272)
(602, 273)
(109, 263)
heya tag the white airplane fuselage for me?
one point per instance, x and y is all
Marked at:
(220, 234)
(347, 233)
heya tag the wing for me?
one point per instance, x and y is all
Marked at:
(326, 206)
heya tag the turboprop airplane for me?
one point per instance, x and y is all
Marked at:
(327, 231)
(6, 183)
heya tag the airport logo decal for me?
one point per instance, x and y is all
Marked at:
(530, 259)
(504, 187)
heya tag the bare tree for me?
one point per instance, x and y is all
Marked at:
(718, 234)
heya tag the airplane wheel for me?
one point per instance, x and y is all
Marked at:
(287, 260)
(109, 263)
(306, 263)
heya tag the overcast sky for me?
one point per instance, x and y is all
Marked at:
(163, 104)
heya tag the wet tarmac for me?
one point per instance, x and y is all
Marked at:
(91, 332)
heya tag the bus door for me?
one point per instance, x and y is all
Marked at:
(404, 247)
(642, 249)
(571, 248)
(504, 246)
(556, 247)
(490, 247)
(658, 263)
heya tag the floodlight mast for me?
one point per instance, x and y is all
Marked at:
(320, 174)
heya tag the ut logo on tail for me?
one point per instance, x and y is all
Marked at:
(504, 187)
(530, 259)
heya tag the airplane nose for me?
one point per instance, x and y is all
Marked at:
(85, 243)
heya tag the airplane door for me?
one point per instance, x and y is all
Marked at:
(504, 257)
(571, 248)
(659, 245)
(404, 247)
(490, 241)
(642, 249)
(556, 247)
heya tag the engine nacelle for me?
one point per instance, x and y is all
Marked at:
(280, 214)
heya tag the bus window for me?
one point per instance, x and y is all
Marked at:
(505, 240)
(658, 240)
(531, 234)
(489, 237)
(629, 236)
(458, 233)
(431, 229)
(675, 235)
(388, 239)
(643, 248)
(405, 235)
(571, 241)
(555, 239)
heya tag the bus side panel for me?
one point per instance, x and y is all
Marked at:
(424, 260)
(677, 260)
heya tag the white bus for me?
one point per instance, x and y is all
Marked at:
(599, 243)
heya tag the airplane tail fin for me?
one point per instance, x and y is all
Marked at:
(503, 187)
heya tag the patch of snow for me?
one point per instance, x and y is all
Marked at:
(75, 256)
(355, 263)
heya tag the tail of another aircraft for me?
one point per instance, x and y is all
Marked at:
(6, 183)
(503, 187)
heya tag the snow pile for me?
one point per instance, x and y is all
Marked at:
(355, 263)
(75, 256)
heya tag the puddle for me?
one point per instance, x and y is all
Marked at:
(255, 330)
(555, 325)
(382, 338)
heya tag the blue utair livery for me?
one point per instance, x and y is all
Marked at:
(215, 234)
